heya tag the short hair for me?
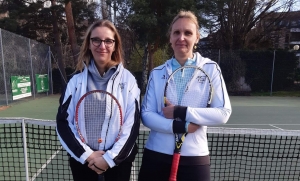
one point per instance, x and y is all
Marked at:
(85, 53)
(185, 14)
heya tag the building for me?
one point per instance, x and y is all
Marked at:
(286, 30)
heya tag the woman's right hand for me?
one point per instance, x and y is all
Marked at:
(168, 110)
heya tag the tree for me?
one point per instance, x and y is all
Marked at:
(24, 18)
(57, 42)
(45, 21)
(233, 20)
(84, 14)
(71, 30)
(104, 10)
(150, 21)
(121, 11)
(234, 26)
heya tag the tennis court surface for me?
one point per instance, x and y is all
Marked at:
(260, 142)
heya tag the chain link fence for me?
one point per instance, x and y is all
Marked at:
(20, 56)
(248, 71)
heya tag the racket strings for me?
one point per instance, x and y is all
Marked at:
(188, 86)
(94, 115)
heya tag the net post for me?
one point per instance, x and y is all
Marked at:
(25, 149)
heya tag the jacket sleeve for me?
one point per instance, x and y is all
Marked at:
(66, 130)
(220, 109)
(129, 131)
(152, 116)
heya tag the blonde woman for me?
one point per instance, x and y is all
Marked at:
(194, 162)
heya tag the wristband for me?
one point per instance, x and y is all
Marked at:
(179, 112)
(178, 126)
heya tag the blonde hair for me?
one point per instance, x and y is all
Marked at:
(85, 54)
(185, 14)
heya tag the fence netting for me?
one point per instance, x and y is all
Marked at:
(20, 56)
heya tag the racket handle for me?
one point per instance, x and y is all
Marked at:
(100, 177)
(174, 168)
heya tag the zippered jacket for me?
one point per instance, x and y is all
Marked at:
(161, 138)
(123, 86)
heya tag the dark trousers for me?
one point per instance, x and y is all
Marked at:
(158, 170)
(84, 173)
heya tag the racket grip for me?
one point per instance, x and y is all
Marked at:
(174, 168)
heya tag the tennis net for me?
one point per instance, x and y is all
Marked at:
(30, 150)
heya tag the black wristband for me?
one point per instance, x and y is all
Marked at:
(180, 112)
(179, 126)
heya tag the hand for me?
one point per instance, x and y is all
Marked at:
(99, 165)
(95, 154)
(168, 110)
(193, 127)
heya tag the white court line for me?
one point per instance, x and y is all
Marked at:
(261, 124)
(272, 125)
(276, 127)
(45, 165)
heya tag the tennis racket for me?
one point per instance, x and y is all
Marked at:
(187, 86)
(93, 110)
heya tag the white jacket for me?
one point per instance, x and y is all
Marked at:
(123, 86)
(161, 138)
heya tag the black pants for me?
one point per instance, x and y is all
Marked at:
(84, 173)
(158, 170)
(117, 173)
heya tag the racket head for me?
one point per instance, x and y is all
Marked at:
(95, 111)
(181, 87)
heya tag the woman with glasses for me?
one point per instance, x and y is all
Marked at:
(100, 67)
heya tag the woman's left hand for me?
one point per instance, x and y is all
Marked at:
(98, 164)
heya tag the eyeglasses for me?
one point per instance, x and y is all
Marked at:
(107, 42)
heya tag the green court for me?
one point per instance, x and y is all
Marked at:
(247, 111)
